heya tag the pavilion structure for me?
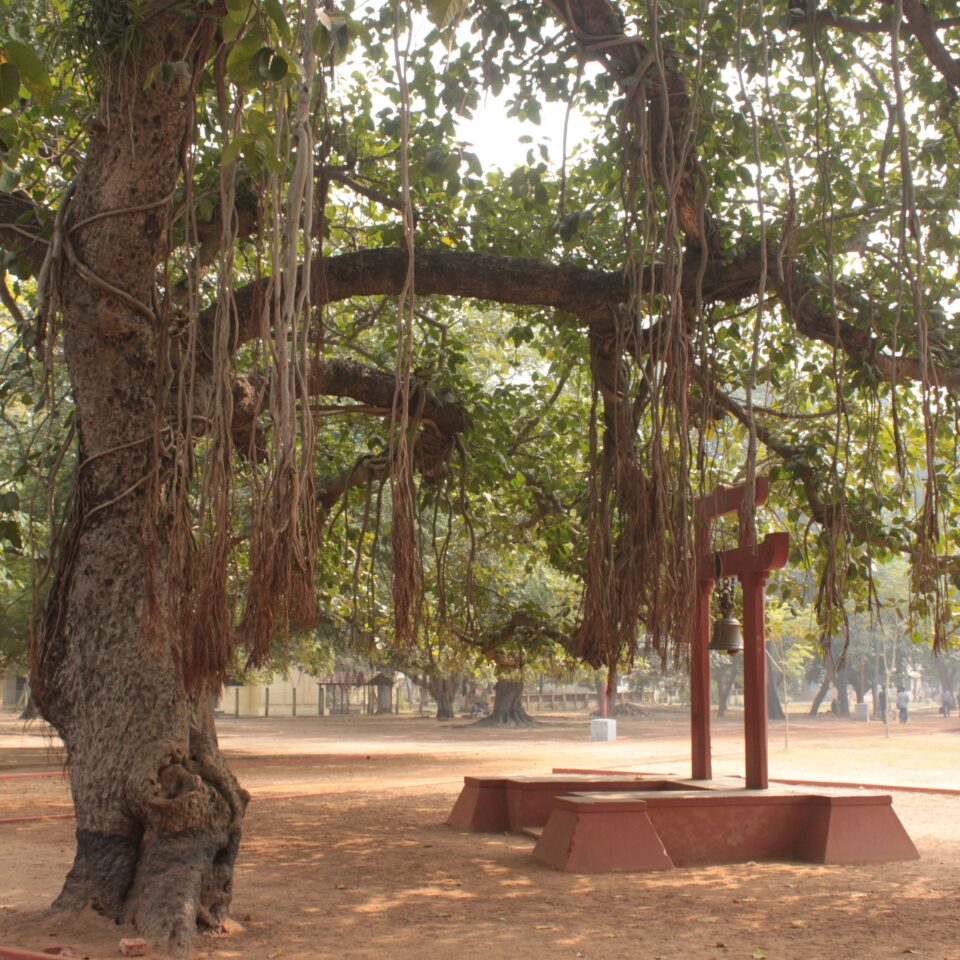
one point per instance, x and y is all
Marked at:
(602, 821)
(751, 563)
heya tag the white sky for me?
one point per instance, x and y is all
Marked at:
(495, 137)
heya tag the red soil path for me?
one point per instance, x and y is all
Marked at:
(347, 857)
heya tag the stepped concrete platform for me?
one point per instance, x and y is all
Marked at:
(508, 804)
(599, 824)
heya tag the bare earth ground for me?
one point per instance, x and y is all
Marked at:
(346, 856)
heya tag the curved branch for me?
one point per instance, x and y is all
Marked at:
(599, 30)
(917, 23)
(799, 299)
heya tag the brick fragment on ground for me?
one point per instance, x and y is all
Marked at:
(131, 947)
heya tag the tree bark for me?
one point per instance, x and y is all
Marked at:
(158, 812)
(725, 680)
(613, 699)
(830, 670)
(444, 691)
(774, 706)
(508, 706)
(841, 681)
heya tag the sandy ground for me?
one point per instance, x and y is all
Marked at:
(346, 854)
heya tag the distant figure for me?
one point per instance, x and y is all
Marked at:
(882, 701)
(949, 703)
(903, 703)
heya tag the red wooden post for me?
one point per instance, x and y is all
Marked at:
(751, 563)
(754, 681)
(700, 685)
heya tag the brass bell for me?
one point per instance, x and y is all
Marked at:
(727, 636)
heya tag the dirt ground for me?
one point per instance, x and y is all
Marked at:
(346, 855)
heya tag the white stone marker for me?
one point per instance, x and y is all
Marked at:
(603, 729)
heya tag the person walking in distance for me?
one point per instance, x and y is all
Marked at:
(903, 703)
(948, 702)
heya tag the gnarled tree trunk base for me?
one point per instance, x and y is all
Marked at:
(508, 707)
(169, 870)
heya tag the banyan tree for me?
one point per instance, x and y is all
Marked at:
(233, 226)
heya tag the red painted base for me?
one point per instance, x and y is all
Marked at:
(582, 839)
(508, 804)
(596, 833)
(481, 806)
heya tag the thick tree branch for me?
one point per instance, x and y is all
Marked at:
(367, 469)
(440, 421)
(798, 296)
(589, 294)
(599, 30)
(827, 18)
(924, 28)
(918, 23)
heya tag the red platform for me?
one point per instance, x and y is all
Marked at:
(508, 804)
(596, 833)
(597, 824)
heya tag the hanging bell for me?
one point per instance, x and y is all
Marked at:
(727, 637)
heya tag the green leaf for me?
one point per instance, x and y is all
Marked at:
(277, 69)
(232, 151)
(9, 83)
(35, 76)
(274, 11)
(238, 10)
(332, 34)
(241, 60)
(445, 12)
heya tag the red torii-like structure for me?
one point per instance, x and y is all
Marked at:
(751, 563)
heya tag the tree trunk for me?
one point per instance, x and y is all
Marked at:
(824, 686)
(774, 706)
(725, 679)
(30, 710)
(841, 681)
(508, 706)
(611, 691)
(444, 690)
(158, 811)
(602, 707)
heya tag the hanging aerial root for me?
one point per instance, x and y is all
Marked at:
(281, 592)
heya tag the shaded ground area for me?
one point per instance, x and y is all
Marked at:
(346, 856)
